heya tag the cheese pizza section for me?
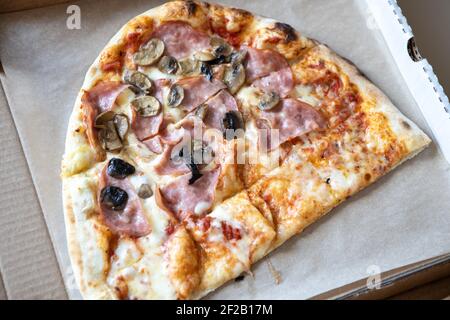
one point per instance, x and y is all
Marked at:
(203, 138)
(232, 237)
(324, 169)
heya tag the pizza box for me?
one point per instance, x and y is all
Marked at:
(390, 237)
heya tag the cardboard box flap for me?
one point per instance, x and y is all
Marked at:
(27, 259)
(417, 72)
(387, 284)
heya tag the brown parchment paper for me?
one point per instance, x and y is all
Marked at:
(403, 218)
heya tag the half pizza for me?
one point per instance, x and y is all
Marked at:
(203, 138)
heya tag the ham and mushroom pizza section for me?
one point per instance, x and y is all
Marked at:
(182, 76)
(178, 215)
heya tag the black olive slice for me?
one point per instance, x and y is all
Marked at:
(196, 174)
(231, 122)
(114, 198)
(119, 169)
(189, 154)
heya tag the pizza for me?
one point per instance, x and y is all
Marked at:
(203, 138)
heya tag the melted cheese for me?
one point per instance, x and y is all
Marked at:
(92, 244)
(304, 93)
(239, 248)
(249, 97)
(141, 263)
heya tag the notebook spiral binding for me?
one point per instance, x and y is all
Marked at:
(427, 68)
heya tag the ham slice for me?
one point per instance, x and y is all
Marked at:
(170, 163)
(261, 63)
(281, 82)
(166, 138)
(154, 144)
(89, 114)
(218, 106)
(184, 200)
(130, 221)
(104, 94)
(269, 71)
(146, 127)
(180, 39)
(292, 118)
(158, 86)
(99, 99)
(197, 90)
(174, 136)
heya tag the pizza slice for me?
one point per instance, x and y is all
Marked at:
(367, 137)
(231, 238)
(141, 253)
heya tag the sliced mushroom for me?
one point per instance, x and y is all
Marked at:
(238, 56)
(138, 80)
(204, 56)
(103, 118)
(122, 125)
(234, 77)
(109, 138)
(220, 47)
(206, 70)
(201, 111)
(188, 67)
(145, 191)
(149, 53)
(268, 101)
(168, 65)
(175, 96)
(146, 106)
(219, 71)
